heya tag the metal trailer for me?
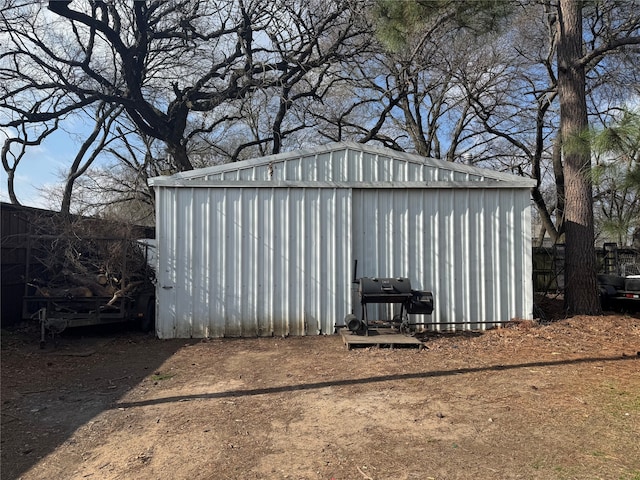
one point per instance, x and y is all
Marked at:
(56, 314)
(66, 309)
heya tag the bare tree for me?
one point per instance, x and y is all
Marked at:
(516, 111)
(405, 99)
(117, 188)
(14, 149)
(180, 70)
(96, 142)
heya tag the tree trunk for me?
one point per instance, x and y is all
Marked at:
(558, 172)
(179, 153)
(11, 187)
(581, 292)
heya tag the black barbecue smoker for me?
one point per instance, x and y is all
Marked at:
(396, 290)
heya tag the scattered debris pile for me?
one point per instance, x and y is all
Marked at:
(87, 271)
(85, 258)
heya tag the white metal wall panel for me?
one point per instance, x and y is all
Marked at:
(252, 261)
(165, 269)
(471, 248)
(258, 259)
(341, 165)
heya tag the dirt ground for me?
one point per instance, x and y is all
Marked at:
(553, 401)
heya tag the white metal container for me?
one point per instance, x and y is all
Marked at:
(267, 246)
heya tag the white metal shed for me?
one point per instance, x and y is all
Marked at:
(267, 246)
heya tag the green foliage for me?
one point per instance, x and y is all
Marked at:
(398, 21)
(618, 147)
(621, 139)
(578, 144)
(616, 177)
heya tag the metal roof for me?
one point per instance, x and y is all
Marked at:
(344, 165)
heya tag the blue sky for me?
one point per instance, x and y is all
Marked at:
(41, 166)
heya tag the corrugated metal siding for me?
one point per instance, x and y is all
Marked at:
(259, 259)
(345, 165)
(247, 262)
(471, 248)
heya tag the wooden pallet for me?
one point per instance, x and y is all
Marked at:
(379, 338)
